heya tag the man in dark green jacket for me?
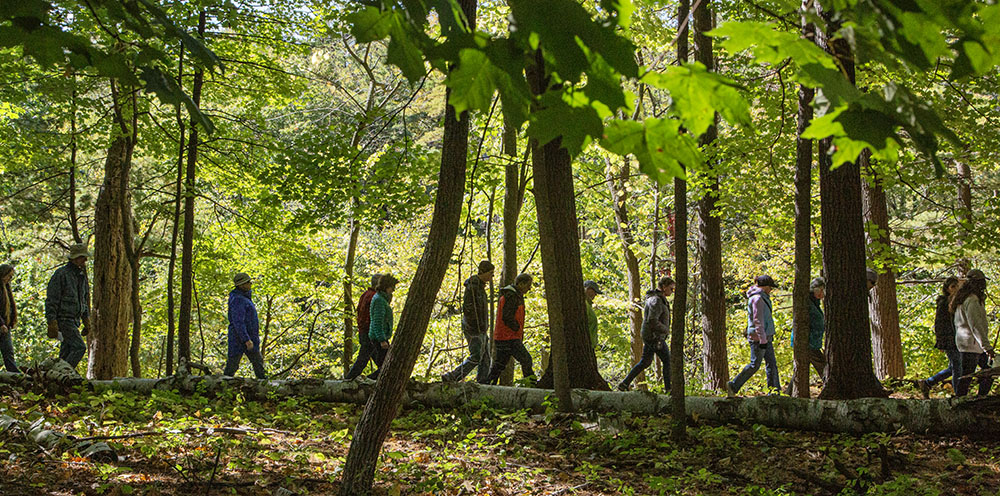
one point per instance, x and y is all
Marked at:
(67, 305)
(817, 290)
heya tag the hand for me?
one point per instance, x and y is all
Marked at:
(385, 345)
(53, 329)
(764, 346)
(4, 329)
(249, 345)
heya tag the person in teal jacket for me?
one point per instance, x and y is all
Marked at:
(380, 328)
(817, 291)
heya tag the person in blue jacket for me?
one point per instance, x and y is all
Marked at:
(380, 328)
(244, 328)
(760, 333)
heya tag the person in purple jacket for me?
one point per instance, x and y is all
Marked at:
(244, 329)
(760, 332)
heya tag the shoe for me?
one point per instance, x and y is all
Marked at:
(729, 389)
(622, 386)
(925, 388)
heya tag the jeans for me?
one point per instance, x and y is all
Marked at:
(968, 366)
(256, 360)
(505, 350)
(479, 359)
(364, 355)
(379, 357)
(759, 352)
(954, 357)
(7, 349)
(659, 349)
(72, 347)
(818, 360)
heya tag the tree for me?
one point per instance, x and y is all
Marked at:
(515, 182)
(619, 204)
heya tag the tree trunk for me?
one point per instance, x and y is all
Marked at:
(187, 248)
(619, 204)
(803, 223)
(112, 286)
(713, 297)
(73, 219)
(849, 347)
(178, 191)
(558, 233)
(384, 403)
(352, 247)
(887, 344)
(678, 429)
(513, 199)
(964, 173)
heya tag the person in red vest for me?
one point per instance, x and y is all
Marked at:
(509, 330)
(367, 351)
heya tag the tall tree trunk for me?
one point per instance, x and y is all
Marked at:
(678, 429)
(558, 233)
(178, 191)
(187, 246)
(73, 219)
(384, 403)
(513, 199)
(112, 279)
(619, 204)
(713, 298)
(849, 346)
(887, 344)
(965, 209)
(803, 222)
(653, 259)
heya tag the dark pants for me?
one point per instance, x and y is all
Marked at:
(505, 350)
(479, 359)
(378, 355)
(759, 353)
(7, 349)
(659, 349)
(969, 363)
(72, 347)
(364, 355)
(954, 360)
(818, 360)
(256, 360)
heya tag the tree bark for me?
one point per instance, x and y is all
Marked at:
(187, 245)
(887, 344)
(384, 403)
(619, 204)
(178, 191)
(73, 219)
(352, 247)
(964, 173)
(713, 297)
(849, 348)
(677, 403)
(803, 223)
(513, 199)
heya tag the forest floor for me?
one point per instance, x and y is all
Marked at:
(224, 445)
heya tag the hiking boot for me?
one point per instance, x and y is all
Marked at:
(925, 388)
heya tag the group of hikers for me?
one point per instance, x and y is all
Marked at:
(960, 326)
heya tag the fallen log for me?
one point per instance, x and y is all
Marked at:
(39, 433)
(972, 416)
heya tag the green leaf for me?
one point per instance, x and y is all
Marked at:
(697, 94)
(371, 24)
(166, 89)
(472, 81)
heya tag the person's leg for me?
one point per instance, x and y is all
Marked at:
(503, 353)
(955, 362)
(72, 348)
(771, 368)
(818, 360)
(483, 368)
(470, 362)
(522, 356)
(985, 383)
(7, 350)
(364, 355)
(644, 362)
(663, 351)
(379, 357)
(750, 369)
(232, 364)
(969, 361)
(257, 361)
(940, 376)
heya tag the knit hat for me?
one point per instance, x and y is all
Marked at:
(817, 283)
(240, 279)
(78, 250)
(972, 274)
(765, 280)
(6, 269)
(592, 285)
(485, 266)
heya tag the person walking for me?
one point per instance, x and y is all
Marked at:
(244, 328)
(760, 332)
(654, 331)
(509, 330)
(971, 332)
(944, 339)
(8, 318)
(367, 350)
(817, 290)
(475, 324)
(380, 328)
(590, 291)
(67, 305)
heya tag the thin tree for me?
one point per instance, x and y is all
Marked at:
(175, 231)
(515, 182)
(619, 205)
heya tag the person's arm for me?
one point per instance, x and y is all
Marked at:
(238, 319)
(53, 297)
(509, 311)
(976, 313)
(377, 327)
(758, 306)
(470, 310)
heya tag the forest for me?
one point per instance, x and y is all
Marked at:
(634, 199)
